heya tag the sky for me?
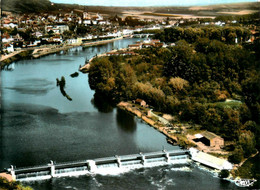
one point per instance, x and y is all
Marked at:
(142, 3)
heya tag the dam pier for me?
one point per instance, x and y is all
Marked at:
(99, 165)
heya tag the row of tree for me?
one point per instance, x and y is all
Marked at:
(227, 34)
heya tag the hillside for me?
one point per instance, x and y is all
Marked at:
(31, 6)
(213, 10)
(27, 6)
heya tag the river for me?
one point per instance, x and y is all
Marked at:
(38, 124)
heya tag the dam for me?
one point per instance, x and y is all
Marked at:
(99, 165)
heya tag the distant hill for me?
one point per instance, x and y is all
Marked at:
(212, 10)
(26, 6)
(36, 6)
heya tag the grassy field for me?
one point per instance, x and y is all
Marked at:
(161, 14)
(165, 11)
(232, 104)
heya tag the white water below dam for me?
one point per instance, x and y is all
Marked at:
(103, 166)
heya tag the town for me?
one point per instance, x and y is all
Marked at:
(79, 26)
(74, 28)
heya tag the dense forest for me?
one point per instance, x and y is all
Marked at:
(192, 80)
(227, 34)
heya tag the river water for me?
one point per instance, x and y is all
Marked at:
(39, 124)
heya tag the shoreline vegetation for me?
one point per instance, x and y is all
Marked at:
(154, 121)
(7, 184)
(206, 81)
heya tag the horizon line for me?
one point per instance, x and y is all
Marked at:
(191, 5)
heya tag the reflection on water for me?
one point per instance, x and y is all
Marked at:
(64, 93)
(125, 121)
(62, 83)
(101, 103)
(33, 134)
(34, 86)
(53, 61)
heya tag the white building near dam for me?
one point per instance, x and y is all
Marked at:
(209, 160)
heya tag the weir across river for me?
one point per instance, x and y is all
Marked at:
(100, 165)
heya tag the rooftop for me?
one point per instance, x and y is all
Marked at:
(209, 135)
(210, 160)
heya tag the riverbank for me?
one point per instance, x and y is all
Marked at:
(178, 134)
(243, 169)
(85, 68)
(100, 42)
(38, 52)
(6, 184)
(151, 119)
(35, 53)
(162, 125)
(4, 57)
(15, 56)
(6, 176)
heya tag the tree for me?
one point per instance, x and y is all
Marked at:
(81, 29)
(125, 80)
(237, 155)
(101, 74)
(247, 142)
(51, 33)
(180, 65)
(12, 185)
(223, 174)
(152, 95)
(72, 27)
(26, 35)
(202, 45)
(246, 116)
(232, 123)
(14, 31)
(229, 35)
(215, 34)
(67, 34)
(251, 91)
(178, 83)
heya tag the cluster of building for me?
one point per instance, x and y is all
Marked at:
(30, 30)
(138, 45)
(39, 27)
(50, 29)
(146, 44)
(36, 21)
